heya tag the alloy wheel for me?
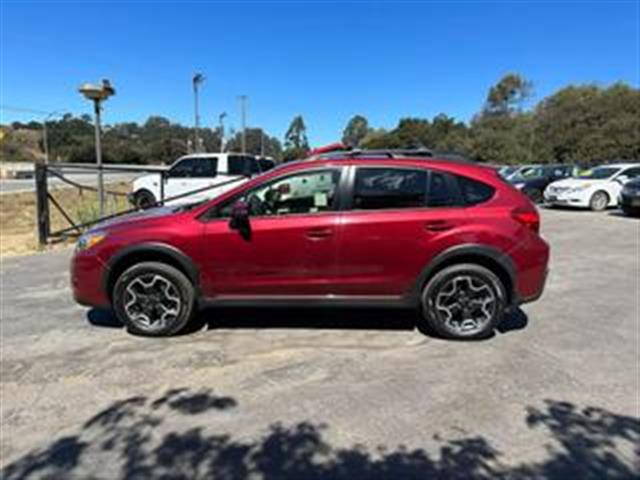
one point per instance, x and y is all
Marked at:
(152, 301)
(465, 304)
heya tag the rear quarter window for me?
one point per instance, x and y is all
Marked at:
(473, 191)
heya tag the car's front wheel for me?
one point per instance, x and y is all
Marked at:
(464, 301)
(153, 299)
(144, 199)
(599, 201)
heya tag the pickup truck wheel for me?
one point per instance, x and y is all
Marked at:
(144, 199)
(153, 299)
(465, 301)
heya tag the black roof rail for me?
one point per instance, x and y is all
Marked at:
(386, 153)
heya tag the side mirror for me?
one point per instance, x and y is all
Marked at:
(240, 219)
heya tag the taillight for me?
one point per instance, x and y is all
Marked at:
(528, 218)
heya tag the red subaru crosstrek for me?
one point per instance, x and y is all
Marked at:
(368, 229)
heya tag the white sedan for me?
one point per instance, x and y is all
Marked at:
(596, 189)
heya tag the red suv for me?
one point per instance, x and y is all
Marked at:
(373, 229)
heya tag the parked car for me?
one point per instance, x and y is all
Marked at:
(596, 189)
(533, 181)
(197, 172)
(629, 199)
(449, 238)
(509, 171)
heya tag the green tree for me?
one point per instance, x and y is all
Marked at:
(355, 131)
(257, 140)
(590, 124)
(296, 144)
(508, 95)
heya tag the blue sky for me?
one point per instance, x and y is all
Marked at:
(324, 60)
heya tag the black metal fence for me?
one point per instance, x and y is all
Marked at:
(45, 201)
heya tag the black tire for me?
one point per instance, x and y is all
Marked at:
(630, 211)
(599, 201)
(144, 199)
(534, 195)
(163, 299)
(446, 319)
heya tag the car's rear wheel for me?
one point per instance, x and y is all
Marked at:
(153, 299)
(144, 199)
(599, 201)
(464, 301)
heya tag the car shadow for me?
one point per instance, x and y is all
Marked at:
(101, 317)
(621, 214)
(382, 319)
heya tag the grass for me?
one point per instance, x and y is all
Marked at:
(18, 232)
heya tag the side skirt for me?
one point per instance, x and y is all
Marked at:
(312, 301)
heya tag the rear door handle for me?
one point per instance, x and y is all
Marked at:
(319, 233)
(438, 226)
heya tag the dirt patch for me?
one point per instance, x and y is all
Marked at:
(18, 233)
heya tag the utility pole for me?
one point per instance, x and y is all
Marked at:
(221, 120)
(198, 79)
(261, 143)
(243, 110)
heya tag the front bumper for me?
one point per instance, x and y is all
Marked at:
(87, 272)
(569, 199)
(629, 201)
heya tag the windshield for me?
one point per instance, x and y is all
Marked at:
(506, 171)
(527, 173)
(599, 173)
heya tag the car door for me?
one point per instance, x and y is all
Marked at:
(292, 246)
(614, 187)
(187, 175)
(398, 219)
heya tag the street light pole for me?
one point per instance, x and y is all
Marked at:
(45, 136)
(243, 109)
(221, 120)
(198, 78)
(97, 108)
(97, 94)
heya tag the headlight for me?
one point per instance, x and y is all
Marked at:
(579, 188)
(519, 186)
(90, 239)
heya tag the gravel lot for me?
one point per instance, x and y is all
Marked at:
(332, 393)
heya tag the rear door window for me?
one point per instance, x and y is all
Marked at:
(442, 192)
(389, 188)
(243, 165)
(205, 167)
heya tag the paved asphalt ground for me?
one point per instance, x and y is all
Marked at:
(347, 394)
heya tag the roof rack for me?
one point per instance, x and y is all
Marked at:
(384, 153)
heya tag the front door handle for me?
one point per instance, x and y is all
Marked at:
(438, 225)
(319, 233)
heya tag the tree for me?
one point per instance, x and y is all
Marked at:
(355, 131)
(590, 124)
(508, 95)
(296, 144)
(257, 139)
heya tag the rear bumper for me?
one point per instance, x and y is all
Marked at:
(536, 295)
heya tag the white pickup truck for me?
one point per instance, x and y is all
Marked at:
(197, 172)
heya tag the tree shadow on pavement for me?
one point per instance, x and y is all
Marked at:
(125, 441)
